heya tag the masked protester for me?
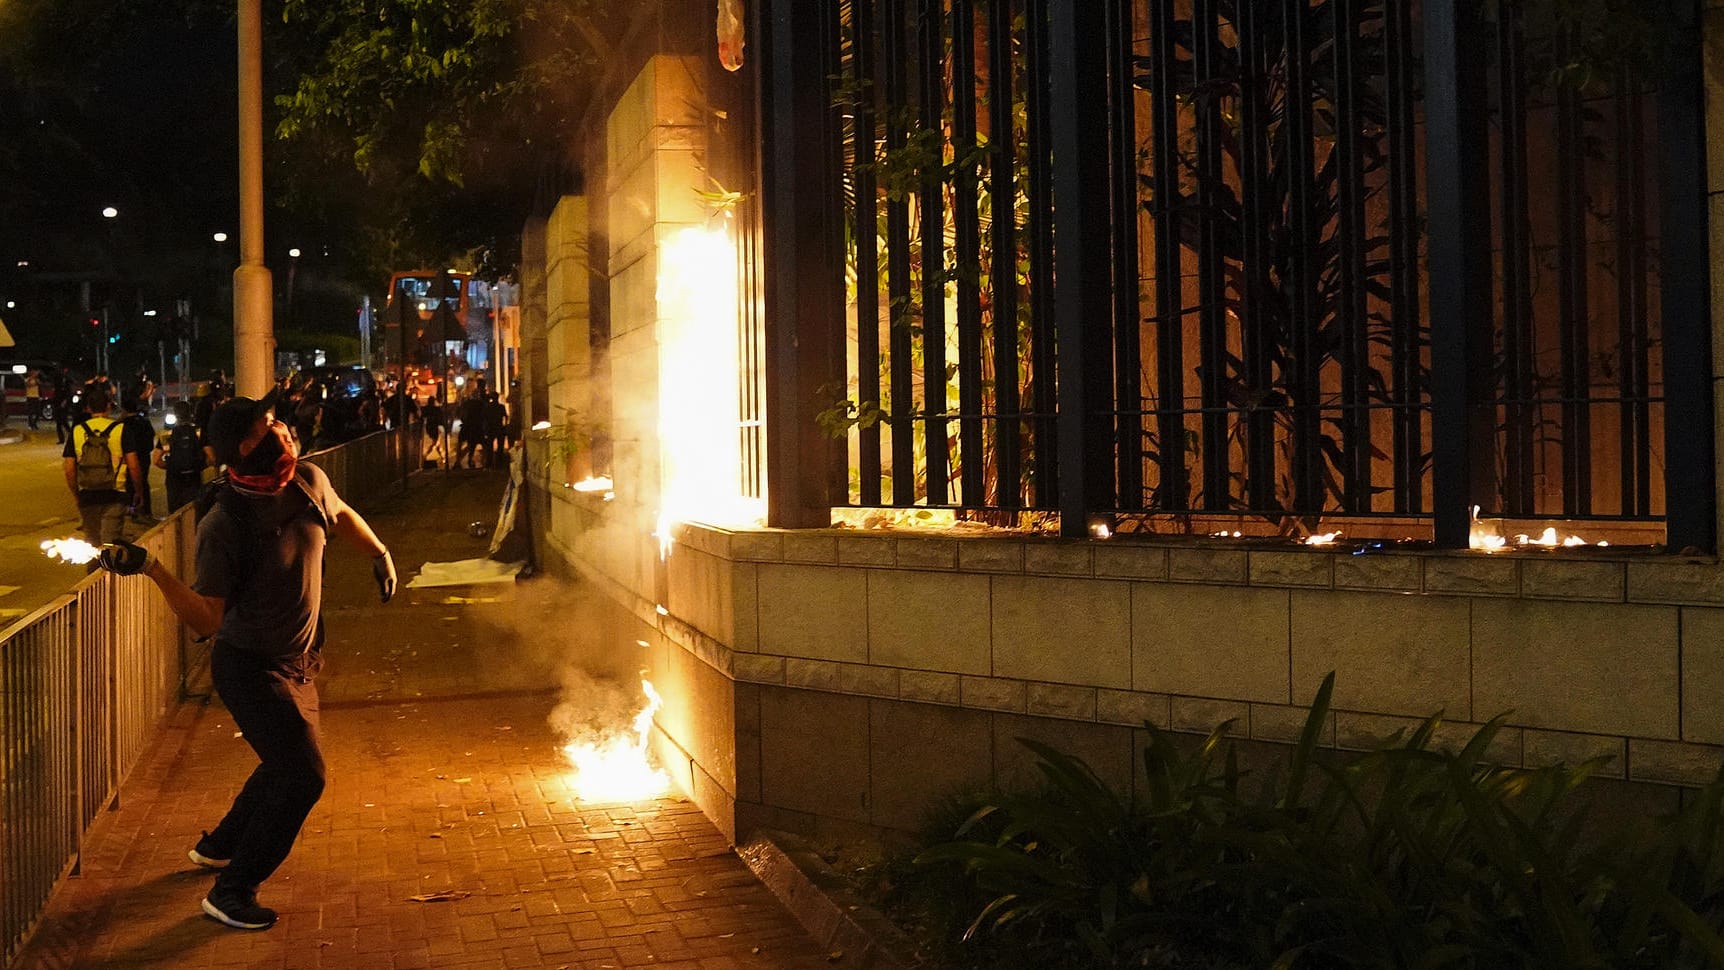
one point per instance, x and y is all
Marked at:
(258, 592)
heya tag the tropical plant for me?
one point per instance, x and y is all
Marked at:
(1411, 855)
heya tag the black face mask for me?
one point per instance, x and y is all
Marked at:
(263, 457)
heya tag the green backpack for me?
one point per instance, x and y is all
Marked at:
(96, 469)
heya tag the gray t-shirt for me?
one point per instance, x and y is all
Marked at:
(270, 569)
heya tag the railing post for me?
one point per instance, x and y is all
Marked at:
(1690, 472)
(1457, 142)
(1078, 108)
(803, 243)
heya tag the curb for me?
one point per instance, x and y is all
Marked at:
(816, 897)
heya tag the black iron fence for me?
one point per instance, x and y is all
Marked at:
(1287, 259)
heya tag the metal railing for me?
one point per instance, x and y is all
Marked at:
(86, 680)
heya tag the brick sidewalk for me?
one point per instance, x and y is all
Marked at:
(444, 778)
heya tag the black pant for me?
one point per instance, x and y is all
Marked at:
(183, 489)
(274, 702)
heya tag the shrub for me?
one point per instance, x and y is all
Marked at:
(1407, 856)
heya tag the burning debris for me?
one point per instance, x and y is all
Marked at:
(607, 740)
(74, 551)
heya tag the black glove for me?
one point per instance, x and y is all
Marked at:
(383, 570)
(124, 558)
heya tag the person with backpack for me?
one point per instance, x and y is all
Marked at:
(181, 453)
(259, 592)
(95, 472)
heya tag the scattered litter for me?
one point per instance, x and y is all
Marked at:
(465, 572)
(469, 600)
(462, 781)
(440, 896)
(239, 734)
(436, 835)
(834, 956)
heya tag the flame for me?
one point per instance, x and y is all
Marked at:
(1322, 539)
(75, 551)
(1481, 539)
(1224, 534)
(699, 412)
(613, 766)
(591, 484)
(1100, 530)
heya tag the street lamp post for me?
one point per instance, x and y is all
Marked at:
(253, 319)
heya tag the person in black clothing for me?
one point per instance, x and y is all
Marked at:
(496, 419)
(62, 406)
(259, 593)
(472, 435)
(182, 455)
(138, 437)
(435, 425)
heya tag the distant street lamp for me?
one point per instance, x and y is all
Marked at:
(220, 237)
(110, 212)
(294, 252)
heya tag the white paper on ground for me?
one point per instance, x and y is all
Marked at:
(465, 572)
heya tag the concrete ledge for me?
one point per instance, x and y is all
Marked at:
(852, 933)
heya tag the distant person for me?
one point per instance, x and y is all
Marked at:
(182, 456)
(95, 472)
(33, 398)
(472, 433)
(62, 406)
(435, 426)
(137, 440)
(307, 412)
(496, 423)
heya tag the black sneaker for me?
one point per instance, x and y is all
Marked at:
(205, 855)
(238, 908)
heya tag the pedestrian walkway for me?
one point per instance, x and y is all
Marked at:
(447, 837)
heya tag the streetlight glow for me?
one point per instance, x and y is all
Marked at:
(220, 237)
(11, 304)
(110, 212)
(294, 252)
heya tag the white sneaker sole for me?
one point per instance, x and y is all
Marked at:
(222, 917)
(206, 861)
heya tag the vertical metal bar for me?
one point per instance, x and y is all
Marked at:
(867, 223)
(966, 255)
(1077, 90)
(1173, 490)
(893, 57)
(1635, 450)
(1257, 310)
(801, 204)
(1456, 141)
(1517, 338)
(1351, 246)
(1573, 330)
(1003, 249)
(1405, 228)
(1043, 386)
(1211, 274)
(1690, 496)
(930, 67)
(1301, 281)
(1127, 314)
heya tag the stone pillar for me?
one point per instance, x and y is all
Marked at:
(568, 336)
(534, 388)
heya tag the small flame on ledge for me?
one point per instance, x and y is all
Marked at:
(1480, 539)
(1322, 539)
(1224, 534)
(542, 426)
(74, 551)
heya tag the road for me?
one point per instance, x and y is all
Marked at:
(34, 505)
